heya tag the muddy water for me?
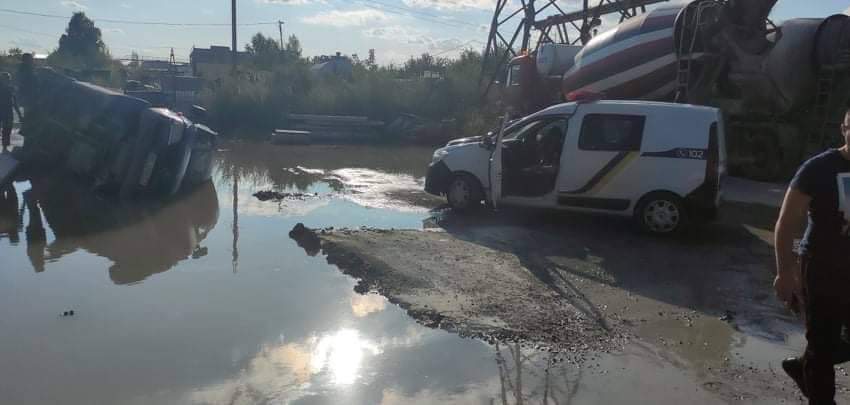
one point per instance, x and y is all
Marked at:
(204, 299)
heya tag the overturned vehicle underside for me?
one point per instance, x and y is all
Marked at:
(117, 142)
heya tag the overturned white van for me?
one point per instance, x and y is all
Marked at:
(660, 163)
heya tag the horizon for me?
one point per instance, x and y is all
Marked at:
(396, 29)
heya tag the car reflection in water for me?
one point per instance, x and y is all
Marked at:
(141, 239)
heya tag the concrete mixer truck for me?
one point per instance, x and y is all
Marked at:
(783, 88)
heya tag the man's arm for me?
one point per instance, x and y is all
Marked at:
(792, 220)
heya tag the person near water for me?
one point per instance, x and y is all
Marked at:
(819, 283)
(8, 105)
(26, 81)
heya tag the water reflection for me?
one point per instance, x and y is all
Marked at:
(294, 167)
(234, 225)
(10, 219)
(35, 233)
(140, 240)
(341, 354)
(370, 177)
(363, 305)
(287, 328)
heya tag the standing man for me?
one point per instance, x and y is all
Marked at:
(821, 284)
(8, 104)
(26, 81)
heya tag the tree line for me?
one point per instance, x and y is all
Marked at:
(277, 80)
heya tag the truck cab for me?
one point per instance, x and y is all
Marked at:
(660, 163)
(533, 80)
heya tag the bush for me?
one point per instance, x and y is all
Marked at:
(258, 101)
(255, 102)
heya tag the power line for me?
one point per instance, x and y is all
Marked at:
(428, 16)
(463, 45)
(408, 12)
(134, 22)
(9, 27)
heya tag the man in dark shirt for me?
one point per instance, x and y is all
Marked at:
(821, 284)
(7, 105)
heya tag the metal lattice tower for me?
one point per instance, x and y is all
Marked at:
(529, 26)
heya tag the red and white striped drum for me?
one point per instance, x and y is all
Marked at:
(635, 60)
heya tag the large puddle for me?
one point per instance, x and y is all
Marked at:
(205, 299)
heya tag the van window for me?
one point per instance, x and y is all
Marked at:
(611, 132)
(533, 130)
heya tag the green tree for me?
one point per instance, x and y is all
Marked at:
(264, 51)
(293, 47)
(371, 63)
(81, 46)
(15, 52)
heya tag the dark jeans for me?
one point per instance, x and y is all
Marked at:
(827, 312)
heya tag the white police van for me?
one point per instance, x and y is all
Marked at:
(660, 163)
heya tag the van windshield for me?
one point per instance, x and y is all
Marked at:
(515, 131)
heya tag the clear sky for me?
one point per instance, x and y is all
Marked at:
(396, 29)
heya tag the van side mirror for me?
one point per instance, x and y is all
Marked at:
(487, 141)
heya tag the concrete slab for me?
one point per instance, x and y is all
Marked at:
(754, 192)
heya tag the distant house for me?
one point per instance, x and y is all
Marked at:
(215, 62)
(336, 65)
(430, 74)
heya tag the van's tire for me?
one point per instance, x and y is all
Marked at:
(661, 213)
(464, 193)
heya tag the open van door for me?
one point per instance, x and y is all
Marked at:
(496, 166)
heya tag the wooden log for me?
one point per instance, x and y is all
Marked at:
(290, 137)
(328, 118)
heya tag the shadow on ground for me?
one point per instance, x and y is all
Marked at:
(720, 269)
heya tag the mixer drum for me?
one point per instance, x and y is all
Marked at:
(789, 64)
(832, 43)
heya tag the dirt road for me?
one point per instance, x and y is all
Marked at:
(584, 285)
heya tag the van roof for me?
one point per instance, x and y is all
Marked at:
(570, 108)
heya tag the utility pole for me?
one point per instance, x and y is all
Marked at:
(280, 28)
(172, 69)
(233, 29)
(527, 23)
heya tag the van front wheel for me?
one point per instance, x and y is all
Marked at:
(464, 193)
(661, 213)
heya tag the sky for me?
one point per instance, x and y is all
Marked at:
(396, 29)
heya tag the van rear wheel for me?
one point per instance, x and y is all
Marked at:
(661, 213)
(464, 193)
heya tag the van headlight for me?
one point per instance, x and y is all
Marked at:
(439, 154)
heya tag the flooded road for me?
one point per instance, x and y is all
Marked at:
(206, 300)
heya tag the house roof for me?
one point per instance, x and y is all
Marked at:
(336, 65)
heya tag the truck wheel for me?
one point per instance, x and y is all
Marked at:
(661, 213)
(464, 193)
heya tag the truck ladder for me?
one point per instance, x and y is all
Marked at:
(825, 104)
(687, 45)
